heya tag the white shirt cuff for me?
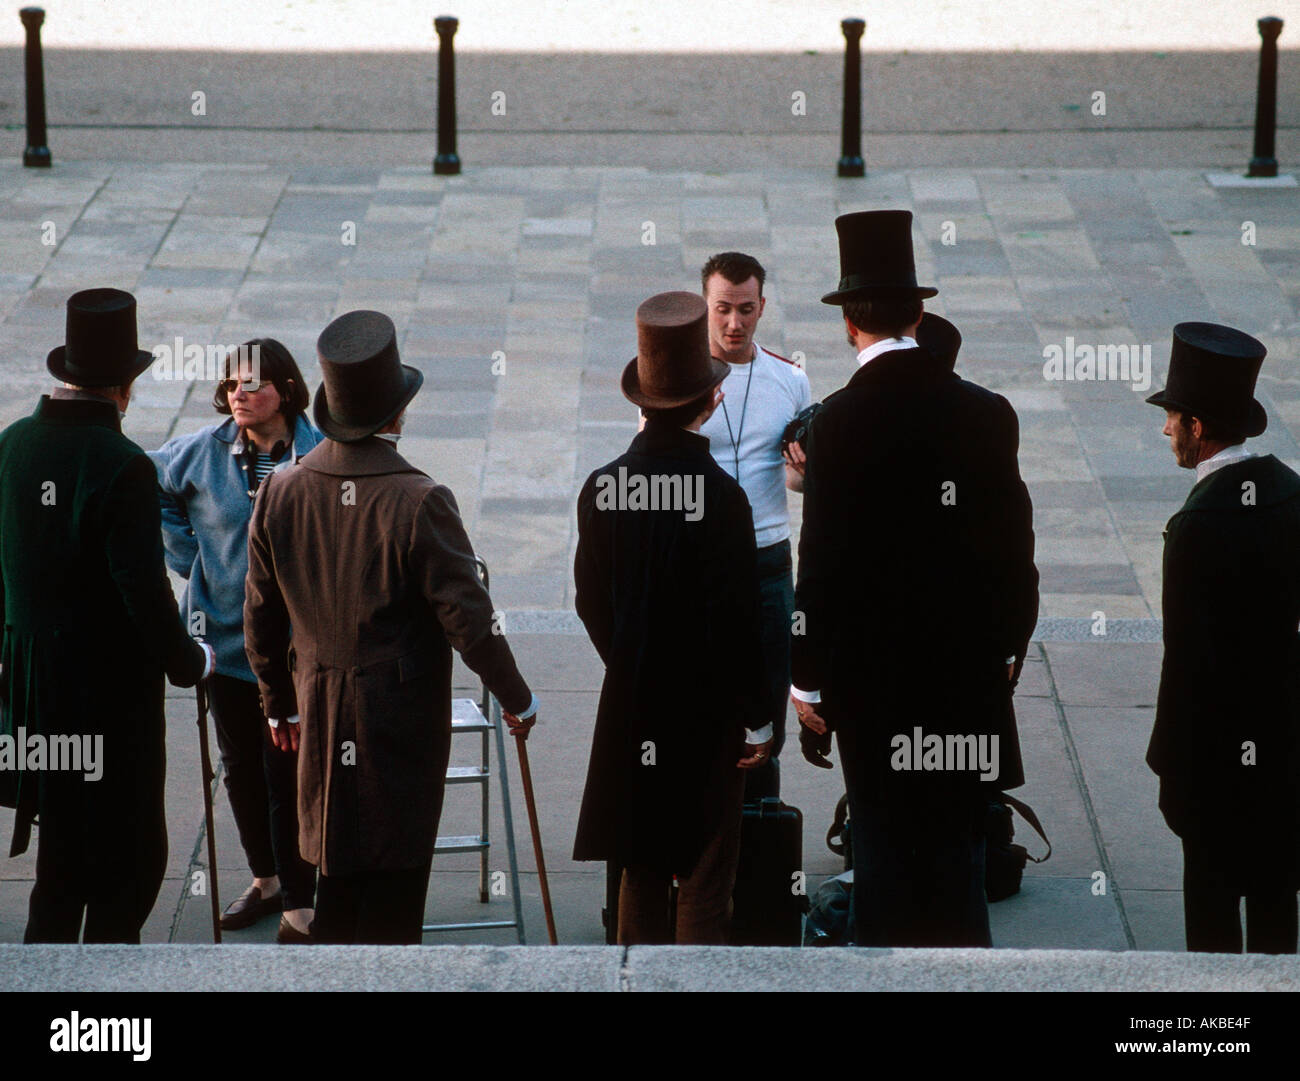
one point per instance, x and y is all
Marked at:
(209, 660)
(810, 697)
(532, 708)
(274, 722)
(760, 735)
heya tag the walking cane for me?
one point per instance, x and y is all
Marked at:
(205, 767)
(527, 777)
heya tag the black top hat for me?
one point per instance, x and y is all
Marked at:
(100, 346)
(1212, 373)
(366, 384)
(672, 365)
(876, 257)
(940, 337)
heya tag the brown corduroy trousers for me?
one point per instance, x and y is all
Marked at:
(703, 896)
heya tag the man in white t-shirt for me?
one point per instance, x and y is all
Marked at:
(763, 392)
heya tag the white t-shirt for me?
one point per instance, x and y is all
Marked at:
(778, 391)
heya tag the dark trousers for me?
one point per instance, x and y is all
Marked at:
(113, 889)
(262, 783)
(918, 863)
(384, 908)
(776, 596)
(1212, 906)
(703, 897)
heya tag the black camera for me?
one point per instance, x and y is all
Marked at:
(797, 430)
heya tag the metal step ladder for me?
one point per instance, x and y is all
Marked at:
(467, 718)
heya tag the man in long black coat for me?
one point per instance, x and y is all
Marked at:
(918, 594)
(1227, 725)
(667, 587)
(90, 630)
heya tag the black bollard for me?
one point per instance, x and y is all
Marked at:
(851, 163)
(37, 153)
(447, 163)
(1264, 161)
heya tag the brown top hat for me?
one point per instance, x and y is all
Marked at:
(366, 384)
(1212, 373)
(940, 337)
(100, 346)
(672, 365)
(876, 257)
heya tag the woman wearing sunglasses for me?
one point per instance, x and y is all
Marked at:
(208, 482)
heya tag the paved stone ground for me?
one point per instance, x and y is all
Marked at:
(538, 271)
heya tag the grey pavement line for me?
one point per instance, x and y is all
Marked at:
(103, 183)
(176, 419)
(1072, 752)
(197, 860)
(1048, 629)
(1001, 238)
(1107, 504)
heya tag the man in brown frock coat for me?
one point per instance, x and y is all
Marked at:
(363, 558)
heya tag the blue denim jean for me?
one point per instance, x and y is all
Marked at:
(776, 594)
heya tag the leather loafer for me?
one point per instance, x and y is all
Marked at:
(289, 935)
(250, 907)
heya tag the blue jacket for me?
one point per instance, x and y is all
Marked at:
(206, 508)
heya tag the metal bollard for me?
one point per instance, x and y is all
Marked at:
(851, 163)
(37, 153)
(1264, 161)
(447, 163)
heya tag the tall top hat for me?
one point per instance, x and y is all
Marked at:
(1212, 373)
(366, 384)
(672, 365)
(100, 346)
(876, 257)
(940, 337)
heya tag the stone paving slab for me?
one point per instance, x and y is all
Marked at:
(514, 289)
(640, 968)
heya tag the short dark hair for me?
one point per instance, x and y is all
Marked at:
(735, 266)
(884, 314)
(1211, 430)
(275, 363)
(680, 415)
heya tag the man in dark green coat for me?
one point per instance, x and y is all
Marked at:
(90, 630)
(1228, 713)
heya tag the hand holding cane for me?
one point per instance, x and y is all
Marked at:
(520, 731)
(205, 764)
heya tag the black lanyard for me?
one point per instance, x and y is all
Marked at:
(736, 437)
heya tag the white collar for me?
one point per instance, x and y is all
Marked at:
(1227, 456)
(884, 346)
